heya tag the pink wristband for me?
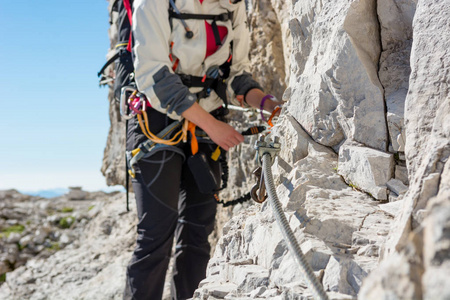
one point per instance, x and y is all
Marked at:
(261, 105)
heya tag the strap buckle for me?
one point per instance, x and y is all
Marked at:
(224, 17)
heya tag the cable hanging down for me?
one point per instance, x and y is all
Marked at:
(286, 230)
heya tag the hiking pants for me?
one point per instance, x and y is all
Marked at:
(169, 205)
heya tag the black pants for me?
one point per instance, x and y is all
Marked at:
(169, 204)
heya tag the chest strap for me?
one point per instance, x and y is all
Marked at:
(222, 17)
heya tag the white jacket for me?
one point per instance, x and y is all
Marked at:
(154, 40)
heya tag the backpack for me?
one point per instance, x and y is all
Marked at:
(123, 67)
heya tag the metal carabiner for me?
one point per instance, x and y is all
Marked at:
(124, 101)
(258, 191)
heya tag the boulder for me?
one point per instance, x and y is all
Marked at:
(366, 169)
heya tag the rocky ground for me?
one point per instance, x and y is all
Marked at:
(72, 247)
(75, 246)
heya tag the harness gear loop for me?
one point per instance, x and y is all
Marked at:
(135, 155)
(216, 154)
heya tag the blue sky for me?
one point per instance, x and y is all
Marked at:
(53, 116)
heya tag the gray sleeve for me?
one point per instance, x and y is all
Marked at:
(244, 83)
(173, 95)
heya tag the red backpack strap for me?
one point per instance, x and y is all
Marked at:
(127, 5)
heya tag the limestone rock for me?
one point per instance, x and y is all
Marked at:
(395, 17)
(392, 208)
(400, 283)
(401, 173)
(395, 117)
(320, 209)
(396, 186)
(413, 243)
(426, 112)
(437, 248)
(334, 91)
(366, 169)
(344, 276)
(76, 193)
(75, 263)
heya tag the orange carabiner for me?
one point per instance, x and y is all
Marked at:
(274, 112)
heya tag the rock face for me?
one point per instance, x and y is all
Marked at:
(341, 230)
(416, 243)
(351, 89)
(363, 173)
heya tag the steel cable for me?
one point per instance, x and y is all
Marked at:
(286, 230)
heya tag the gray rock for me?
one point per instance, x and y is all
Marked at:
(366, 169)
(65, 239)
(41, 234)
(401, 173)
(396, 186)
(339, 96)
(393, 208)
(76, 193)
(26, 240)
(344, 276)
(395, 117)
(399, 285)
(14, 237)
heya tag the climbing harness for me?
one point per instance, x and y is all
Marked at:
(266, 152)
(136, 104)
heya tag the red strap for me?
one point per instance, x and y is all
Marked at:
(127, 5)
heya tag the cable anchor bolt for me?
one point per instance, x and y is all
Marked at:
(266, 146)
(263, 146)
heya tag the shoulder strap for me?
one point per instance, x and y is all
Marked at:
(127, 5)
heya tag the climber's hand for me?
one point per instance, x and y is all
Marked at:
(221, 133)
(224, 135)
